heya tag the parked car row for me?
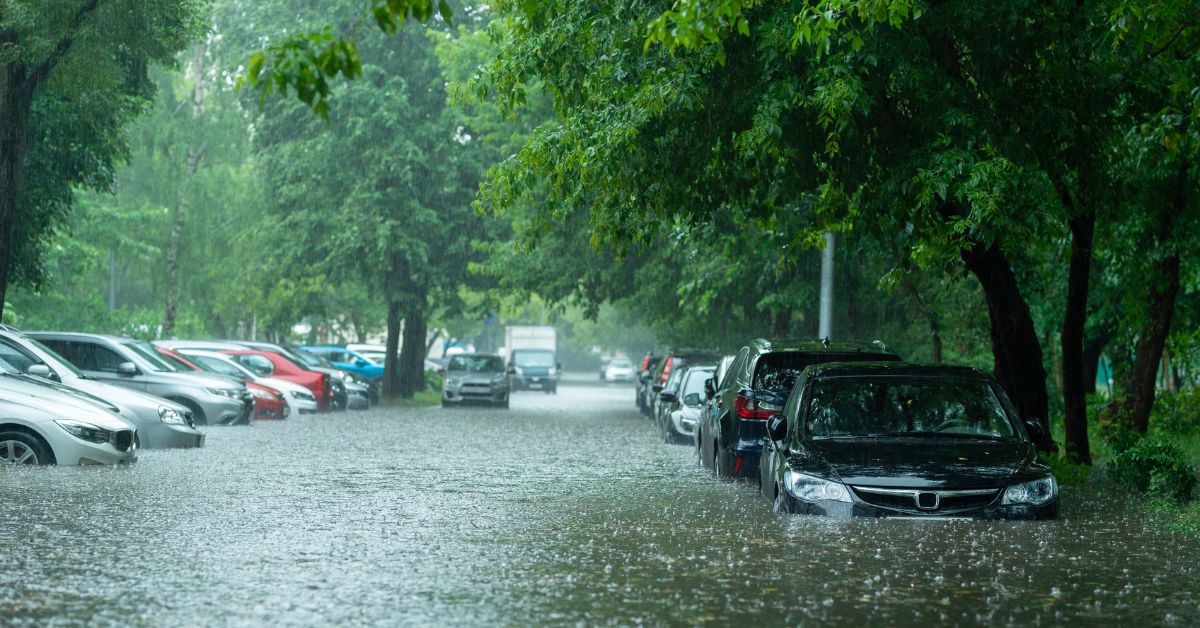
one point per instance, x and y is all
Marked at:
(76, 398)
(849, 429)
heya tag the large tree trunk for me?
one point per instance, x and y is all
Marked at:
(412, 351)
(935, 335)
(1142, 378)
(15, 102)
(1016, 352)
(1093, 349)
(391, 360)
(1074, 371)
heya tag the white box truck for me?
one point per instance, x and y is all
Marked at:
(532, 359)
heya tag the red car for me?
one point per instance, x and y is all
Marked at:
(269, 403)
(270, 364)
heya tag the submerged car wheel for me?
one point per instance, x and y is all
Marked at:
(23, 449)
(503, 404)
(782, 502)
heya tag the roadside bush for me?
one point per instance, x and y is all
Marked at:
(1112, 423)
(1178, 413)
(433, 381)
(1155, 466)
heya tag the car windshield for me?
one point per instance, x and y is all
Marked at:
(620, 364)
(779, 371)
(157, 362)
(476, 364)
(221, 367)
(906, 406)
(61, 361)
(533, 359)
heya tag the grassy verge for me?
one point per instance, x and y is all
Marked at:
(419, 400)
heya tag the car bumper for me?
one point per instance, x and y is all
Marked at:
(991, 512)
(225, 411)
(479, 395)
(72, 451)
(358, 400)
(534, 383)
(169, 436)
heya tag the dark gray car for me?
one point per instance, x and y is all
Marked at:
(475, 377)
(136, 365)
(160, 422)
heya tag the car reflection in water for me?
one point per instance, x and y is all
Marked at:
(889, 439)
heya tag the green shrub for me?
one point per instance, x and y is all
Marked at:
(1155, 466)
(1178, 413)
(433, 381)
(1112, 423)
(1067, 472)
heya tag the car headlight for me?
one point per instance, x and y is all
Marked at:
(84, 431)
(810, 488)
(453, 382)
(299, 394)
(232, 393)
(551, 371)
(499, 378)
(171, 416)
(1039, 492)
(262, 394)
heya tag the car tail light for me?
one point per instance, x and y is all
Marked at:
(646, 362)
(666, 371)
(748, 407)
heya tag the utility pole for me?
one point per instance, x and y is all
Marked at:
(825, 323)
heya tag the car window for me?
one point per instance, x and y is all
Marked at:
(61, 361)
(695, 382)
(88, 356)
(217, 365)
(256, 363)
(890, 405)
(778, 371)
(739, 363)
(476, 364)
(16, 357)
(157, 361)
(620, 364)
(533, 359)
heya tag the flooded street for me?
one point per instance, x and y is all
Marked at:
(565, 509)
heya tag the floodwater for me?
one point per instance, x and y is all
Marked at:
(565, 509)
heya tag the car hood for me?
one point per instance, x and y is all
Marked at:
(59, 404)
(917, 462)
(282, 385)
(125, 398)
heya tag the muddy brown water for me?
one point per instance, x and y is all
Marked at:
(563, 510)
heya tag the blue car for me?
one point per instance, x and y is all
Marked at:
(360, 366)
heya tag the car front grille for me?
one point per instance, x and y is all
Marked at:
(122, 439)
(932, 501)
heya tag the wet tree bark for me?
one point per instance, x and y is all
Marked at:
(1016, 352)
(1074, 371)
(781, 324)
(391, 360)
(412, 351)
(1141, 381)
(935, 336)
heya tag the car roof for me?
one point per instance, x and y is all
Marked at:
(856, 369)
(474, 355)
(774, 345)
(76, 334)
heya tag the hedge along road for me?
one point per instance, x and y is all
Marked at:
(564, 509)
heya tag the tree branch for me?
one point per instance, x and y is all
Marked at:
(64, 45)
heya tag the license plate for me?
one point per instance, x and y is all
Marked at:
(535, 385)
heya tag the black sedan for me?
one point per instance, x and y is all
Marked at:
(904, 440)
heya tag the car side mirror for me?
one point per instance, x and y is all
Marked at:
(1035, 430)
(691, 399)
(710, 389)
(127, 369)
(39, 370)
(558, 366)
(512, 370)
(668, 396)
(777, 428)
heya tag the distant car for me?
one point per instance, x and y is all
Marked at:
(273, 364)
(41, 425)
(475, 378)
(619, 371)
(373, 352)
(729, 435)
(299, 399)
(533, 369)
(136, 365)
(160, 423)
(671, 362)
(363, 367)
(884, 440)
(682, 404)
(642, 381)
(666, 396)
